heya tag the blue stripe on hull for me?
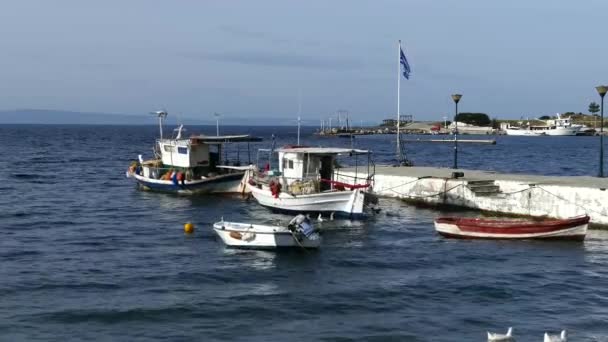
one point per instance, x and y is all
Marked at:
(198, 187)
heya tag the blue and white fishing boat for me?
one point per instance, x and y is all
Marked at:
(192, 165)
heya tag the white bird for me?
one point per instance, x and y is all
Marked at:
(556, 338)
(331, 216)
(320, 218)
(494, 337)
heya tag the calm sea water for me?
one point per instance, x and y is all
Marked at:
(84, 255)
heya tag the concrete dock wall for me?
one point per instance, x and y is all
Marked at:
(558, 197)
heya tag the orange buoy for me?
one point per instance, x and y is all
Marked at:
(189, 228)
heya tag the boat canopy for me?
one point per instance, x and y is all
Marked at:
(322, 150)
(195, 151)
(221, 139)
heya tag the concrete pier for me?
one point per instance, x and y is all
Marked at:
(529, 195)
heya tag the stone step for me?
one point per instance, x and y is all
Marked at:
(490, 189)
(479, 182)
(483, 187)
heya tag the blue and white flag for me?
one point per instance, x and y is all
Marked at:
(405, 66)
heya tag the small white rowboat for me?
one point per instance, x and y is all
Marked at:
(245, 235)
(478, 228)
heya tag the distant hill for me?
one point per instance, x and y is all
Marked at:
(54, 117)
(58, 117)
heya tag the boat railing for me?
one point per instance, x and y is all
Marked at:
(163, 172)
(367, 179)
(312, 183)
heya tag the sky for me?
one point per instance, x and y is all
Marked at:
(261, 59)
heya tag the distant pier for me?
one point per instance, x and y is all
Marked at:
(516, 194)
(460, 141)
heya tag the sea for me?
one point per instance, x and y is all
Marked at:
(85, 255)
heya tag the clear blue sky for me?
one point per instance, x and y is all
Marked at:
(252, 58)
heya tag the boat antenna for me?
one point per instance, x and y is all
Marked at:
(162, 115)
(299, 114)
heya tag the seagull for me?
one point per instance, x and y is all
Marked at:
(494, 337)
(556, 338)
(320, 218)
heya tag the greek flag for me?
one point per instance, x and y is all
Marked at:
(405, 65)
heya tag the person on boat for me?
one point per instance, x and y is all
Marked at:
(303, 225)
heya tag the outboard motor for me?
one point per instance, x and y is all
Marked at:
(302, 227)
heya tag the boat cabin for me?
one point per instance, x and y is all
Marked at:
(197, 156)
(311, 167)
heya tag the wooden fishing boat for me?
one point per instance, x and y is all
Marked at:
(479, 228)
(246, 235)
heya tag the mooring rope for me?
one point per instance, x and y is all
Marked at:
(431, 195)
(568, 201)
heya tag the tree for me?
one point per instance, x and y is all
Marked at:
(477, 119)
(544, 117)
(594, 108)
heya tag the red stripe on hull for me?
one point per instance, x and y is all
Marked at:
(485, 226)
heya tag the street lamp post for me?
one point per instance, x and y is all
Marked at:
(217, 124)
(456, 98)
(602, 91)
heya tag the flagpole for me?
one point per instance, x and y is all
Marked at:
(398, 99)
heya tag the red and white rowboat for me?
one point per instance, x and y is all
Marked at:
(478, 228)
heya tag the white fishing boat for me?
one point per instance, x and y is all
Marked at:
(299, 233)
(555, 127)
(193, 165)
(306, 182)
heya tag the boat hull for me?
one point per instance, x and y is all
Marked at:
(342, 203)
(563, 131)
(542, 132)
(525, 132)
(568, 229)
(228, 183)
(243, 235)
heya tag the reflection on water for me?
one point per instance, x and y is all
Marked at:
(255, 259)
